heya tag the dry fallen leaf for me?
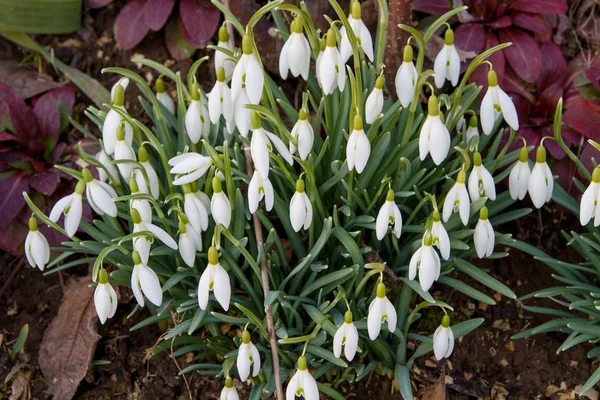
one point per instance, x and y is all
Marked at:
(70, 341)
(435, 392)
(20, 386)
(27, 82)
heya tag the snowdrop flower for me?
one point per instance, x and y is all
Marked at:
(389, 215)
(37, 250)
(143, 206)
(241, 114)
(191, 167)
(163, 97)
(427, 262)
(541, 181)
(443, 340)
(295, 54)
(332, 71)
(518, 180)
(203, 197)
(71, 206)
(304, 135)
(219, 204)
(472, 129)
(361, 32)
(142, 243)
(302, 383)
(447, 62)
(219, 100)
(374, 103)
(381, 310)
(406, 78)
(258, 188)
(347, 336)
(187, 248)
(197, 121)
(229, 392)
(434, 138)
(99, 194)
(262, 142)
(300, 208)
(457, 200)
(248, 356)
(214, 278)
(481, 183)
(195, 209)
(113, 120)
(152, 186)
(105, 298)
(494, 102)
(123, 82)
(589, 201)
(358, 148)
(221, 59)
(144, 282)
(248, 72)
(109, 168)
(439, 236)
(483, 237)
(123, 152)
(191, 232)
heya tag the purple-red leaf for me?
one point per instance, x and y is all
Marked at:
(21, 117)
(502, 22)
(584, 116)
(433, 7)
(554, 66)
(540, 6)
(470, 37)
(531, 22)
(48, 116)
(524, 55)
(593, 73)
(156, 13)
(179, 48)
(12, 236)
(45, 183)
(98, 3)
(200, 20)
(130, 27)
(12, 201)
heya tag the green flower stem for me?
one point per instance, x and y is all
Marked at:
(509, 142)
(381, 35)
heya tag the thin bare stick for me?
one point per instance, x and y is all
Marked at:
(264, 275)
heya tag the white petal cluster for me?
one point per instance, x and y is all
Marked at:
(189, 166)
(518, 180)
(301, 212)
(381, 309)
(144, 282)
(219, 204)
(229, 392)
(481, 183)
(151, 185)
(302, 383)
(197, 119)
(99, 195)
(427, 262)
(304, 135)
(447, 63)
(494, 102)
(389, 215)
(258, 189)
(113, 120)
(457, 200)
(358, 149)
(248, 357)
(331, 69)
(439, 236)
(248, 74)
(295, 54)
(434, 138)
(219, 100)
(105, 298)
(472, 130)
(346, 336)
(221, 59)
(261, 143)
(589, 207)
(406, 78)
(483, 237)
(361, 33)
(443, 340)
(163, 97)
(214, 279)
(105, 160)
(37, 250)
(72, 208)
(541, 181)
(374, 104)
(196, 208)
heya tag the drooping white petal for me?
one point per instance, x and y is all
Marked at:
(187, 249)
(405, 83)
(351, 342)
(424, 138)
(204, 287)
(374, 318)
(222, 287)
(366, 41)
(281, 147)
(165, 99)
(449, 203)
(439, 67)
(538, 185)
(102, 302)
(255, 80)
(374, 105)
(509, 112)
(340, 333)
(150, 285)
(260, 151)
(243, 363)
(327, 70)
(439, 137)
(440, 342)
(161, 235)
(59, 208)
(136, 287)
(414, 264)
(382, 222)
(454, 65)
(588, 204)
(284, 67)
(486, 111)
(221, 209)
(464, 204)
(73, 215)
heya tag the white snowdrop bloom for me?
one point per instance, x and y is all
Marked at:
(248, 356)
(203, 197)
(389, 215)
(472, 129)
(258, 189)
(219, 204)
(195, 210)
(143, 206)
(187, 248)
(541, 181)
(219, 100)
(361, 32)
(481, 183)
(483, 237)
(358, 148)
(589, 207)
(197, 120)
(262, 142)
(295, 54)
(241, 114)
(152, 186)
(163, 97)
(221, 59)
(439, 236)
(71, 206)
(105, 298)
(443, 340)
(99, 195)
(381, 309)
(447, 63)
(248, 73)
(37, 250)
(518, 180)
(191, 232)
(434, 138)
(304, 135)
(346, 336)
(300, 208)
(139, 225)
(427, 262)
(457, 200)
(374, 103)
(112, 122)
(190, 166)
(124, 153)
(406, 78)
(123, 82)
(494, 102)
(105, 160)
(302, 383)
(215, 279)
(332, 71)
(144, 282)
(229, 392)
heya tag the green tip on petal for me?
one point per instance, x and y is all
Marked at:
(135, 257)
(596, 175)
(194, 187)
(380, 290)
(133, 186)
(80, 187)
(32, 224)
(492, 78)
(331, 40)
(380, 82)
(348, 317)
(255, 120)
(216, 184)
(102, 276)
(296, 26)
(245, 337)
(160, 85)
(356, 10)
(119, 96)
(358, 124)
(186, 188)
(121, 132)
(142, 154)
(322, 44)
(87, 175)
(436, 216)
(449, 37)
(221, 74)
(135, 216)
(247, 44)
(182, 229)
(524, 154)
(473, 122)
(390, 195)
(483, 213)
(300, 186)
(302, 115)
(195, 92)
(427, 239)
(433, 108)
(302, 363)
(213, 255)
(183, 218)
(540, 155)
(223, 34)
(408, 53)
(462, 176)
(446, 321)
(228, 382)
(477, 159)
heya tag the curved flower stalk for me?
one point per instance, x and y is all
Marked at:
(163, 96)
(518, 180)
(494, 102)
(37, 250)
(447, 62)
(248, 357)
(295, 54)
(105, 160)
(361, 32)
(190, 167)
(197, 119)
(541, 181)
(443, 340)
(434, 138)
(105, 298)
(71, 207)
(481, 183)
(123, 152)
(374, 103)
(152, 186)
(304, 135)
(381, 309)
(258, 189)
(389, 215)
(114, 120)
(221, 59)
(99, 195)
(439, 236)
(219, 204)
(358, 148)
(262, 142)
(483, 237)
(427, 262)
(406, 78)
(346, 336)
(301, 212)
(229, 392)
(589, 206)
(248, 73)
(457, 200)
(214, 279)
(302, 383)
(219, 100)
(144, 282)
(332, 71)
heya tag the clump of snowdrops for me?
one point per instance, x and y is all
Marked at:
(316, 230)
